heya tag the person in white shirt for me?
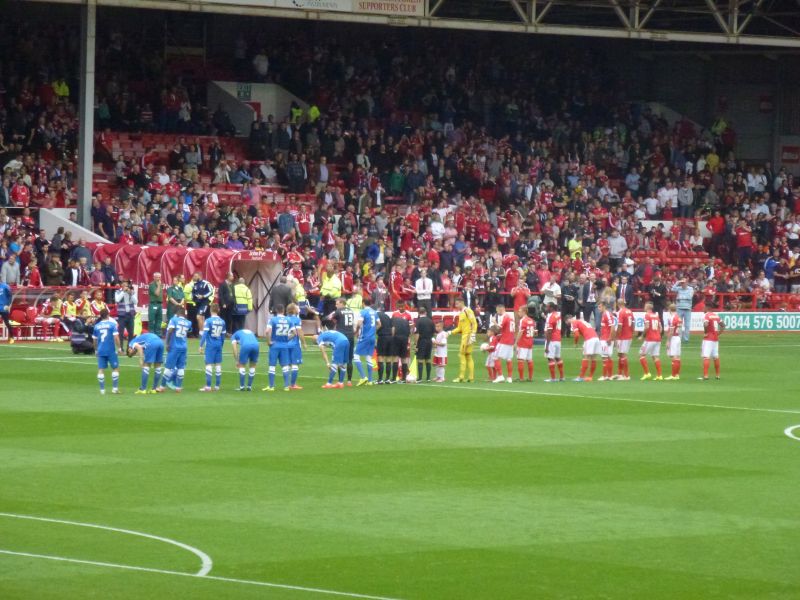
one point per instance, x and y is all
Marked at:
(652, 206)
(424, 289)
(162, 177)
(551, 291)
(437, 227)
(668, 196)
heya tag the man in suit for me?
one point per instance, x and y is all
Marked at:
(658, 295)
(468, 296)
(625, 290)
(590, 295)
(227, 301)
(281, 294)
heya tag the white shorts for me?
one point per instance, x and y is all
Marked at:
(504, 352)
(710, 349)
(524, 353)
(674, 346)
(554, 350)
(606, 349)
(591, 347)
(650, 349)
(623, 346)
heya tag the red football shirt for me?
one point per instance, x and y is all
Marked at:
(625, 324)
(675, 325)
(553, 325)
(506, 330)
(712, 323)
(652, 328)
(528, 328)
(606, 325)
(582, 328)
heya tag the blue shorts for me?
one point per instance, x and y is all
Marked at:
(248, 354)
(214, 354)
(341, 354)
(365, 347)
(296, 355)
(103, 362)
(154, 354)
(176, 359)
(278, 355)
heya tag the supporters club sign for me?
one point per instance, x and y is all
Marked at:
(406, 8)
(761, 321)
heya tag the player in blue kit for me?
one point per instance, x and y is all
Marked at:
(150, 349)
(279, 330)
(297, 343)
(211, 341)
(341, 354)
(106, 346)
(245, 352)
(366, 329)
(178, 330)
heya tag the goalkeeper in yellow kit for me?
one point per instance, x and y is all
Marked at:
(468, 327)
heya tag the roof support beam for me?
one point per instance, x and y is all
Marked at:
(641, 24)
(621, 14)
(520, 11)
(712, 6)
(753, 12)
(435, 7)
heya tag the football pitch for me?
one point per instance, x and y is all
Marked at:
(446, 491)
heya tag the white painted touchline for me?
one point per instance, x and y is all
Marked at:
(283, 586)
(205, 559)
(471, 388)
(789, 431)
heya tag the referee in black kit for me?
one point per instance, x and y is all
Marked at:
(384, 346)
(401, 332)
(345, 324)
(424, 335)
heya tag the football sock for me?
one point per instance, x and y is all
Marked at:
(584, 366)
(643, 360)
(621, 366)
(560, 364)
(490, 370)
(510, 369)
(167, 375)
(608, 369)
(145, 377)
(594, 366)
(218, 375)
(341, 374)
(101, 379)
(359, 366)
(271, 376)
(380, 370)
(552, 366)
(331, 374)
(394, 371)
(179, 378)
(530, 370)
(157, 377)
(521, 368)
(295, 373)
(419, 370)
(252, 375)
(706, 364)
(676, 366)
(242, 373)
(716, 366)
(349, 371)
(115, 380)
(439, 372)
(657, 361)
(498, 368)
(209, 375)
(427, 371)
(285, 370)
(370, 368)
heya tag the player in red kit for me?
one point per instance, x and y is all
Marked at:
(606, 345)
(591, 346)
(674, 342)
(652, 343)
(623, 338)
(490, 347)
(712, 326)
(505, 344)
(525, 335)
(552, 345)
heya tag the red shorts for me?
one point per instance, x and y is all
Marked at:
(439, 361)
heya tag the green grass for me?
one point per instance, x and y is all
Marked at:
(601, 490)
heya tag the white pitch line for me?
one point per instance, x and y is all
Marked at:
(282, 586)
(789, 431)
(467, 387)
(205, 559)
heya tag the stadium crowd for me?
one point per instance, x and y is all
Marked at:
(421, 180)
